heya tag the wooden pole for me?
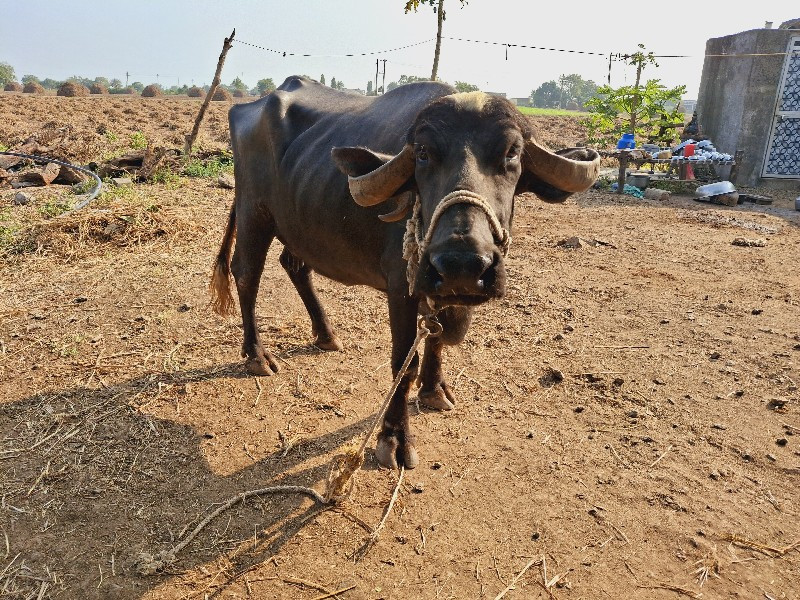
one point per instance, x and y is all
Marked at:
(440, 18)
(196, 129)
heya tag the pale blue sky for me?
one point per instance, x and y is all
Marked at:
(182, 39)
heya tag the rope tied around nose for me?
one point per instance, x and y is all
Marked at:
(415, 244)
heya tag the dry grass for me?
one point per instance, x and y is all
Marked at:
(72, 90)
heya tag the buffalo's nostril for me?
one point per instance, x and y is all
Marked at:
(460, 272)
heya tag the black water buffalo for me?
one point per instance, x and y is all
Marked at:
(458, 158)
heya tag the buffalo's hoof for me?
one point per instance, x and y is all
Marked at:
(438, 398)
(391, 452)
(330, 344)
(264, 364)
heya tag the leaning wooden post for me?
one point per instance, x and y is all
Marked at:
(187, 149)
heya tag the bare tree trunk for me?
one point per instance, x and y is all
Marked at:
(635, 103)
(195, 130)
(440, 18)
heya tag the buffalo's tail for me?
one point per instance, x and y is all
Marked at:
(219, 287)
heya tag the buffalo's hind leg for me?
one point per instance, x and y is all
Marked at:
(300, 274)
(253, 237)
(395, 441)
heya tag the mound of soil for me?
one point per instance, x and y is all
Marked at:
(98, 88)
(72, 90)
(195, 92)
(221, 94)
(33, 88)
(152, 91)
(13, 86)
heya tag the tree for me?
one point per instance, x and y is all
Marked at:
(237, 84)
(265, 85)
(466, 87)
(650, 112)
(115, 84)
(138, 86)
(370, 91)
(102, 81)
(322, 79)
(333, 82)
(438, 8)
(546, 95)
(51, 84)
(7, 74)
(574, 87)
(26, 79)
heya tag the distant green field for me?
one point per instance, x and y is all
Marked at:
(551, 112)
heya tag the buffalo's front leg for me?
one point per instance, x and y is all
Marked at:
(395, 441)
(434, 391)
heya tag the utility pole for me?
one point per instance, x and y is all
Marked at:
(384, 76)
(127, 75)
(377, 62)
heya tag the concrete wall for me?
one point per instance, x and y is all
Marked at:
(737, 98)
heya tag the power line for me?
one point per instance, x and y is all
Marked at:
(350, 54)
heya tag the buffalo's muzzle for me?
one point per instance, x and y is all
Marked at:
(460, 277)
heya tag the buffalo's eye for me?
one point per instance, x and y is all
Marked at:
(512, 155)
(422, 153)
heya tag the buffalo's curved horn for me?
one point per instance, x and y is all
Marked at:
(559, 171)
(381, 184)
(403, 206)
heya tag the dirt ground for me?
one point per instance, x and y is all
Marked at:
(627, 421)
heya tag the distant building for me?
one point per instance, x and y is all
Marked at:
(750, 102)
(688, 106)
(355, 91)
(522, 101)
(498, 94)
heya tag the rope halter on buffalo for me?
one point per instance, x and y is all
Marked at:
(415, 244)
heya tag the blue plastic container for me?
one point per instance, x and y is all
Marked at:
(626, 142)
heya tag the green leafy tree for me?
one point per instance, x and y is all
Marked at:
(322, 79)
(138, 86)
(51, 84)
(26, 79)
(7, 74)
(461, 86)
(546, 95)
(115, 84)
(102, 81)
(237, 84)
(649, 111)
(574, 87)
(265, 85)
(333, 82)
(370, 90)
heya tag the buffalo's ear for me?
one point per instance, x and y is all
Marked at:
(555, 176)
(373, 177)
(356, 161)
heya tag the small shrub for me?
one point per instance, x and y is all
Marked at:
(212, 167)
(138, 141)
(53, 208)
(165, 176)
